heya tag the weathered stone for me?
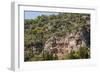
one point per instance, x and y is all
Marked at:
(64, 45)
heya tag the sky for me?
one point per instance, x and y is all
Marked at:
(34, 14)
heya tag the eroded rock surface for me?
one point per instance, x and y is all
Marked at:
(61, 46)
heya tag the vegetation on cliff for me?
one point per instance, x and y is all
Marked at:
(55, 37)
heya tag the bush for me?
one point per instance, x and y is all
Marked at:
(82, 53)
(27, 55)
(73, 55)
(49, 56)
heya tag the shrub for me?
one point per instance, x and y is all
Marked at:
(82, 53)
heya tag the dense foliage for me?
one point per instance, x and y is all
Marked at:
(37, 31)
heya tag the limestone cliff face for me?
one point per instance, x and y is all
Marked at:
(61, 46)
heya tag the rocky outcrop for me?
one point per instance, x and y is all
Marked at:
(61, 46)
